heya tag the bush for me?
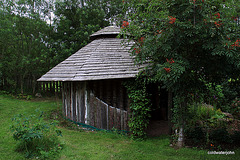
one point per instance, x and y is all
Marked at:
(220, 136)
(203, 123)
(235, 108)
(196, 135)
(36, 138)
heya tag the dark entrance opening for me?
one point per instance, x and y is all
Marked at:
(159, 100)
(159, 115)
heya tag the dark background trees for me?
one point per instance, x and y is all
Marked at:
(35, 35)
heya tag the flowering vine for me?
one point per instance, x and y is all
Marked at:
(170, 61)
(171, 20)
(167, 69)
(137, 50)
(125, 24)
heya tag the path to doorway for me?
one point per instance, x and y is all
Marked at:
(157, 128)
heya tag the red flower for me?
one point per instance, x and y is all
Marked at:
(159, 32)
(218, 24)
(125, 24)
(203, 1)
(137, 50)
(172, 20)
(170, 61)
(235, 18)
(167, 69)
(140, 40)
(218, 15)
(194, 1)
(236, 44)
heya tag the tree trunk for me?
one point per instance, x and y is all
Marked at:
(180, 141)
(180, 133)
(33, 85)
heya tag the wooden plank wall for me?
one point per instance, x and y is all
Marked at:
(81, 105)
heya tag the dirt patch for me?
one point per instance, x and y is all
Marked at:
(157, 128)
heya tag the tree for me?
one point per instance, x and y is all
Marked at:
(76, 20)
(185, 43)
(24, 36)
(35, 35)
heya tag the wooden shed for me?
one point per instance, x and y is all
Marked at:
(92, 79)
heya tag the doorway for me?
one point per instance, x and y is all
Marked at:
(158, 124)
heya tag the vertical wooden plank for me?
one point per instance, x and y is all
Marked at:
(118, 118)
(98, 114)
(95, 111)
(115, 117)
(63, 103)
(107, 110)
(122, 119)
(71, 101)
(74, 113)
(77, 101)
(111, 117)
(87, 111)
(103, 115)
(82, 103)
(68, 99)
(91, 106)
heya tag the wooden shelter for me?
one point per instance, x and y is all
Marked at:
(92, 81)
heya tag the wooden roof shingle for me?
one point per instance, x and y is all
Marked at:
(103, 58)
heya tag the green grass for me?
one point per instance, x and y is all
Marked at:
(93, 145)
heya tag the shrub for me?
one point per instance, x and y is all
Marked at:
(235, 108)
(220, 135)
(36, 138)
(205, 123)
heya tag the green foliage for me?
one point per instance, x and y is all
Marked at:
(205, 116)
(190, 46)
(32, 40)
(214, 94)
(140, 107)
(24, 96)
(235, 108)
(207, 125)
(24, 41)
(36, 137)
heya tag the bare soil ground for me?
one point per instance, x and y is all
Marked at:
(157, 128)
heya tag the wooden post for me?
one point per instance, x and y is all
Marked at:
(87, 107)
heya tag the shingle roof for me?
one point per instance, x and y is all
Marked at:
(110, 30)
(103, 58)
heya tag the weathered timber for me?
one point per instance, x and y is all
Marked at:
(86, 108)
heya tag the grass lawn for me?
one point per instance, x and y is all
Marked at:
(93, 145)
